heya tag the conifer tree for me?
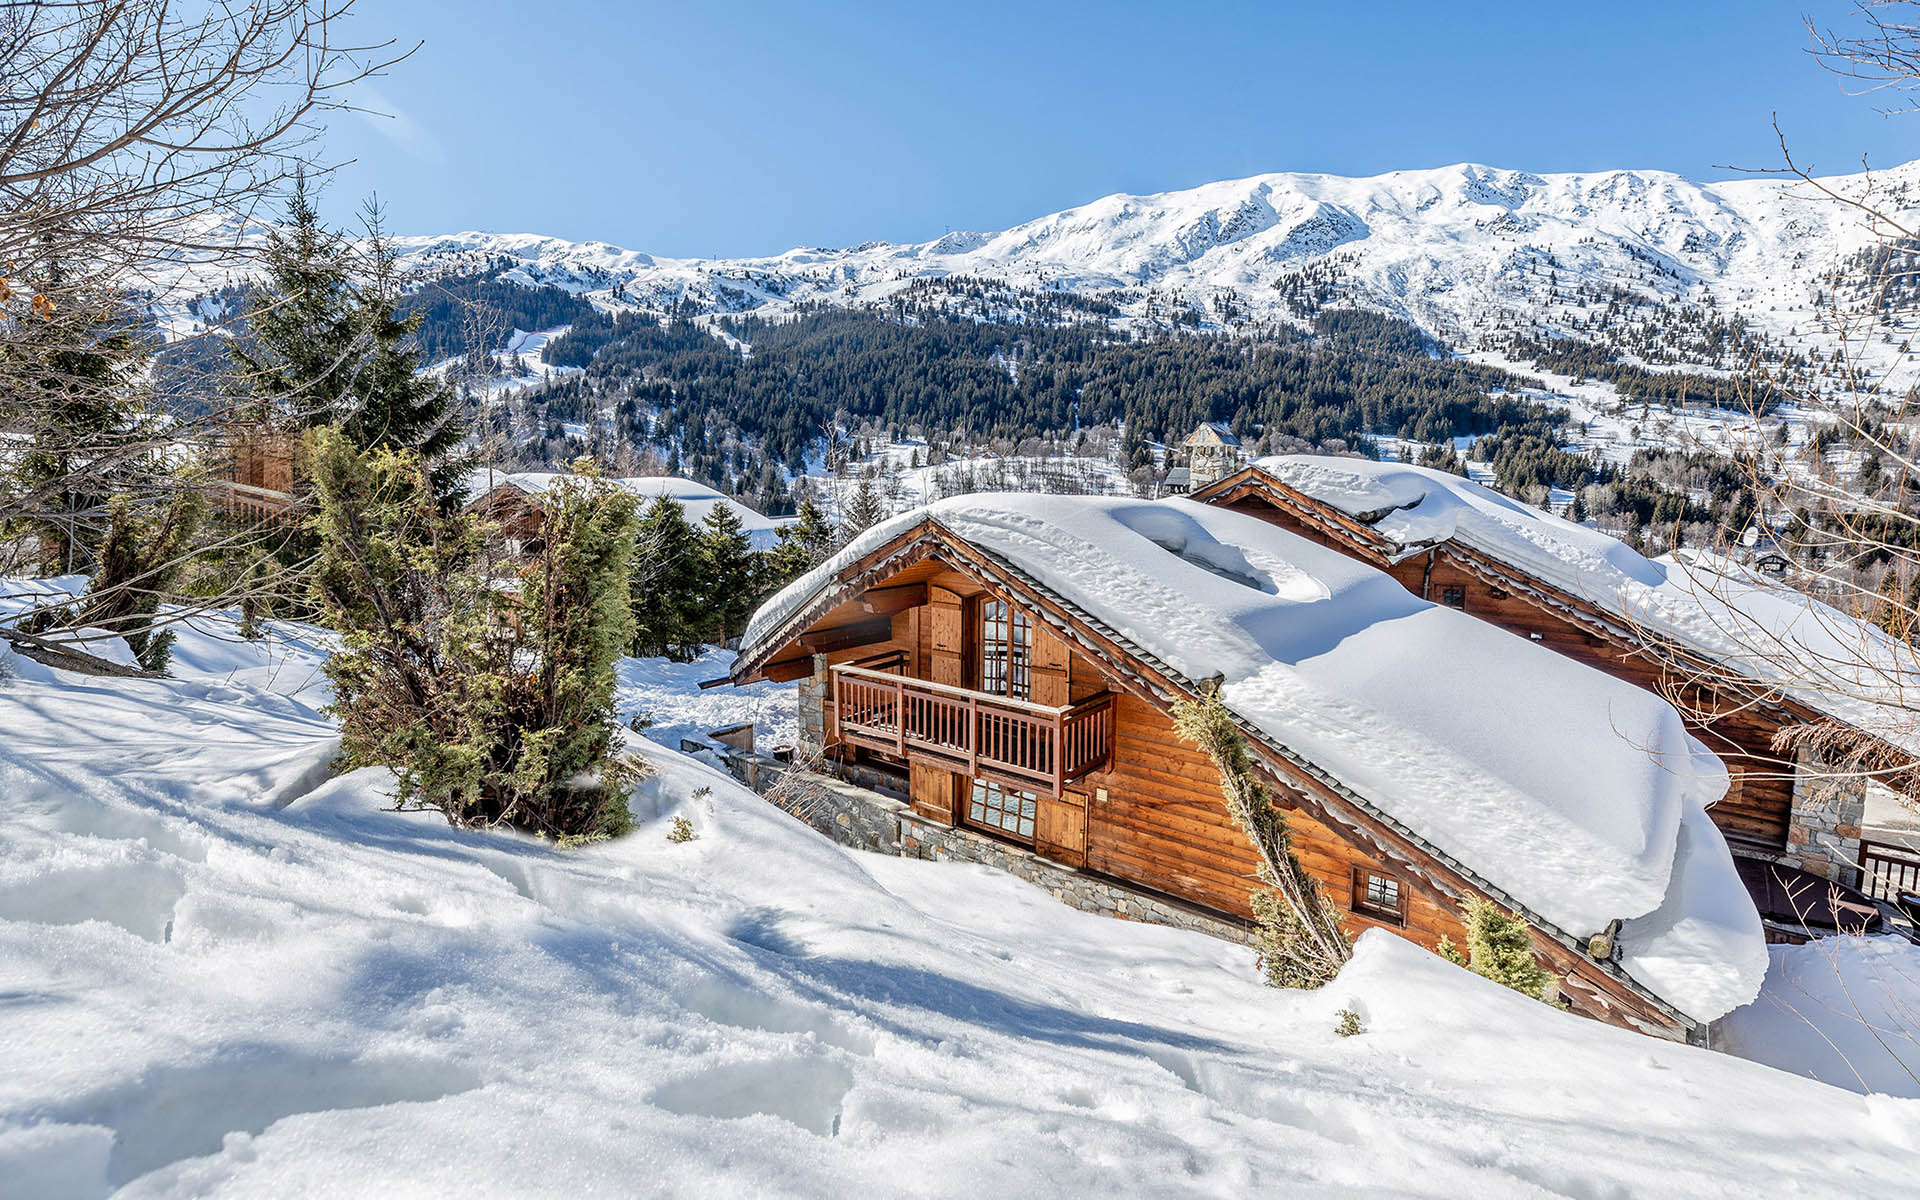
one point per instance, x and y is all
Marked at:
(803, 545)
(142, 555)
(490, 704)
(729, 573)
(863, 511)
(304, 328)
(392, 404)
(665, 589)
(1500, 947)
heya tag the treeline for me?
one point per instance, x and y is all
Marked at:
(462, 315)
(768, 392)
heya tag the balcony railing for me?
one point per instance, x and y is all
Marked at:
(1031, 746)
(1887, 871)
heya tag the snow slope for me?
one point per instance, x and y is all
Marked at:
(212, 985)
(1561, 785)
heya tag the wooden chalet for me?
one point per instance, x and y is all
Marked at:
(999, 706)
(512, 500)
(257, 474)
(1356, 507)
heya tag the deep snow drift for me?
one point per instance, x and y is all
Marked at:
(1581, 796)
(223, 974)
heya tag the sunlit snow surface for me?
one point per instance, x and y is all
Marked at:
(223, 975)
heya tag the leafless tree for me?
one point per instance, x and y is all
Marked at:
(138, 139)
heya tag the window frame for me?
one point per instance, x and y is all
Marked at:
(1025, 811)
(1003, 637)
(1363, 904)
(1453, 596)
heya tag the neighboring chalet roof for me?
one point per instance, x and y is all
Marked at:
(1809, 652)
(1213, 433)
(1578, 795)
(696, 498)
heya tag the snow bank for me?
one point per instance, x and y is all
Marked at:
(1845, 1010)
(209, 991)
(1564, 787)
(1821, 656)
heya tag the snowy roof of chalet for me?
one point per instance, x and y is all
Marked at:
(1816, 654)
(1580, 796)
(696, 498)
(1222, 435)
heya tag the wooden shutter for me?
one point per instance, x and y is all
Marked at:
(934, 792)
(1060, 828)
(946, 637)
(1049, 667)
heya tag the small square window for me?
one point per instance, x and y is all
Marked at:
(1454, 597)
(1379, 896)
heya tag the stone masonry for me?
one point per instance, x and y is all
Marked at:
(866, 820)
(1823, 831)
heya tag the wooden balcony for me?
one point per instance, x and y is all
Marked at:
(1029, 746)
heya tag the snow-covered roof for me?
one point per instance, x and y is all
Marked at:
(1579, 795)
(1824, 658)
(696, 498)
(1221, 434)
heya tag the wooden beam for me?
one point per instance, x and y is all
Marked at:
(788, 670)
(846, 637)
(885, 601)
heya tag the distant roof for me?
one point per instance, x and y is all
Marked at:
(1579, 795)
(696, 498)
(1213, 433)
(1816, 654)
(1179, 476)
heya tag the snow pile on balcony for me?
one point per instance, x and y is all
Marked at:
(1563, 787)
(220, 981)
(1817, 654)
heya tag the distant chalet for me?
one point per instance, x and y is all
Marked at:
(1010, 663)
(512, 500)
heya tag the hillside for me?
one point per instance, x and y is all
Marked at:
(226, 974)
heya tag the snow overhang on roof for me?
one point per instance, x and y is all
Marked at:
(1822, 658)
(1580, 796)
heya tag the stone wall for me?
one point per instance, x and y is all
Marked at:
(1823, 831)
(813, 715)
(866, 820)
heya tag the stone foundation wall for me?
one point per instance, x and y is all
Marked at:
(867, 820)
(813, 716)
(1823, 831)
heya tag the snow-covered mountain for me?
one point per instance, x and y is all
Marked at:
(1461, 250)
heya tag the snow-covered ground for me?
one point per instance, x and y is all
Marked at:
(224, 974)
(669, 695)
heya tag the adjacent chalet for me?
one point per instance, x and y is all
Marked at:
(1008, 663)
(1723, 638)
(512, 501)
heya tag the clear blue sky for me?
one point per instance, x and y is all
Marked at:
(746, 128)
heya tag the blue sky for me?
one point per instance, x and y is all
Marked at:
(747, 128)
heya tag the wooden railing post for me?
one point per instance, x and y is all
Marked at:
(900, 717)
(973, 736)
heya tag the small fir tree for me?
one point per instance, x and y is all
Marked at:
(863, 511)
(730, 573)
(139, 560)
(803, 545)
(1499, 947)
(666, 593)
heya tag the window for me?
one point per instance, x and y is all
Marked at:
(1002, 809)
(1454, 597)
(1379, 896)
(1006, 650)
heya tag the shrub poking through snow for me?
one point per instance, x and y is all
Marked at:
(1500, 947)
(140, 558)
(491, 700)
(681, 830)
(1349, 1023)
(1298, 932)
